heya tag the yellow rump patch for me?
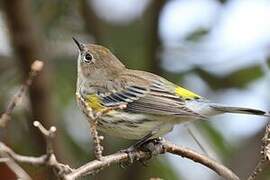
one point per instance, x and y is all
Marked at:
(94, 102)
(186, 94)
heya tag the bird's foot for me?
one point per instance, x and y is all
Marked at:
(131, 156)
(149, 146)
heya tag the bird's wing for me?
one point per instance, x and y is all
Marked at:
(157, 97)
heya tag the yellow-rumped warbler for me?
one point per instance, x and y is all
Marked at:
(153, 104)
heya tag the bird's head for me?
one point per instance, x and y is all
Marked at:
(96, 62)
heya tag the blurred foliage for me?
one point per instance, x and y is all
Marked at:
(134, 54)
(65, 80)
(238, 79)
(221, 146)
(52, 13)
(197, 35)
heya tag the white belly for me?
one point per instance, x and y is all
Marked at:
(133, 127)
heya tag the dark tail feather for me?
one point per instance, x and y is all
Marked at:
(240, 110)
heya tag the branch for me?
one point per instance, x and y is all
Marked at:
(265, 154)
(20, 158)
(36, 67)
(160, 148)
(92, 167)
(200, 158)
(14, 167)
(48, 159)
(28, 43)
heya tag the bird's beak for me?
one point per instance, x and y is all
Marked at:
(80, 45)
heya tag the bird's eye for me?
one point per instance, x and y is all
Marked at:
(88, 57)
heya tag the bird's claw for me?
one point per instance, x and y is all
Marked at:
(149, 147)
(131, 156)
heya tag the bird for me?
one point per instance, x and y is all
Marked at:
(152, 104)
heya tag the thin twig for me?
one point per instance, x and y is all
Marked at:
(48, 159)
(20, 158)
(93, 118)
(48, 135)
(45, 159)
(36, 67)
(96, 139)
(3, 159)
(93, 126)
(18, 171)
(51, 160)
(189, 130)
(265, 154)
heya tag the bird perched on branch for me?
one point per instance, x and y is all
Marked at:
(152, 104)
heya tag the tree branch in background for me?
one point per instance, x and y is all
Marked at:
(36, 67)
(92, 167)
(27, 42)
(47, 159)
(14, 167)
(265, 154)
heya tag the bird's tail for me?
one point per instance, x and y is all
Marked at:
(240, 110)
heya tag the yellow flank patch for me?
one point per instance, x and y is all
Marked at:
(94, 102)
(186, 94)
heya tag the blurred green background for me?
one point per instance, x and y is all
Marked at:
(219, 49)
